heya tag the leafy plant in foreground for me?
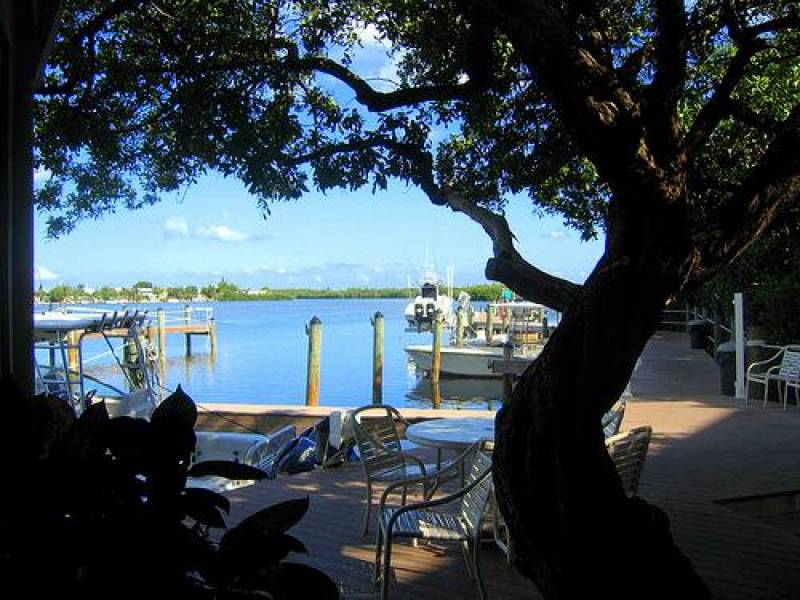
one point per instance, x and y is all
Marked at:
(99, 508)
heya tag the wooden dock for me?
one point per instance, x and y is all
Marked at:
(706, 448)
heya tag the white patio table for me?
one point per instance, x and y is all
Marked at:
(451, 434)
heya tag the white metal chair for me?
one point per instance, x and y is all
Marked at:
(420, 521)
(628, 450)
(382, 456)
(783, 367)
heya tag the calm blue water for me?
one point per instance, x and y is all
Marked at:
(262, 352)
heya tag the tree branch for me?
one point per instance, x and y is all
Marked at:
(507, 265)
(88, 32)
(718, 107)
(667, 87)
(380, 101)
(743, 113)
(772, 186)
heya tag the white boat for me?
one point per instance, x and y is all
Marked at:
(421, 311)
(525, 331)
(466, 361)
(59, 362)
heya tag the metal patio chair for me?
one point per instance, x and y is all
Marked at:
(612, 420)
(382, 455)
(783, 368)
(420, 520)
(628, 450)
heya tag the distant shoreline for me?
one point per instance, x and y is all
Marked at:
(226, 292)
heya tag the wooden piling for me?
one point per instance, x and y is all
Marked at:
(162, 337)
(377, 358)
(436, 402)
(489, 323)
(436, 358)
(460, 326)
(314, 332)
(212, 336)
(73, 351)
(187, 318)
(508, 384)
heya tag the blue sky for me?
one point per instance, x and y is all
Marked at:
(338, 240)
(215, 229)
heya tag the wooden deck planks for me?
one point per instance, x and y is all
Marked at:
(706, 448)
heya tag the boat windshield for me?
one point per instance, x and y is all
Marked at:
(428, 290)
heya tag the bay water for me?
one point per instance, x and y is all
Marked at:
(262, 353)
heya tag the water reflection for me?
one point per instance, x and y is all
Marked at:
(457, 393)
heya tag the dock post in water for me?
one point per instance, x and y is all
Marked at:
(162, 337)
(377, 358)
(73, 353)
(489, 331)
(508, 386)
(436, 402)
(460, 326)
(314, 332)
(436, 358)
(187, 318)
(212, 337)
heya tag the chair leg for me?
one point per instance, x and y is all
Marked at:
(476, 568)
(387, 561)
(467, 557)
(378, 554)
(783, 397)
(368, 509)
(766, 391)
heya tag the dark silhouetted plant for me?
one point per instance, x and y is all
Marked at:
(95, 507)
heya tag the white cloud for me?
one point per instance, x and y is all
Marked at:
(369, 35)
(176, 227)
(41, 175)
(555, 235)
(41, 273)
(318, 278)
(363, 278)
(221, 233)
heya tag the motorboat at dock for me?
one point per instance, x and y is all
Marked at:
(421, 311)
(526, 328)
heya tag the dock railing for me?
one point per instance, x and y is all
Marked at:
(714, 332)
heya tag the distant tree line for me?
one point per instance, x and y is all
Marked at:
(224, 291)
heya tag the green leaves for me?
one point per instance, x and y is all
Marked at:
(93, 495)
(260, 540)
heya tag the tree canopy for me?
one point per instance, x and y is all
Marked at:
(140, 98)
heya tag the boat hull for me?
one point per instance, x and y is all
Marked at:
(461, 361)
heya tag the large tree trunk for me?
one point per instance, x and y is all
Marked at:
(574, 530)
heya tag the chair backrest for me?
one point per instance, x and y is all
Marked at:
(475, 500)
(375, 430)
(790, 363)
(612, 420)
(628, 451)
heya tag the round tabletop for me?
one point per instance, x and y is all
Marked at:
(451, 433)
